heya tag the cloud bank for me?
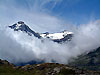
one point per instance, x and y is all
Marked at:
(18, 47)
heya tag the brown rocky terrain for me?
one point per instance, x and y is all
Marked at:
(7, 68)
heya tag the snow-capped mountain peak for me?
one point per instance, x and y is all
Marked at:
(21, 26)
(56, 37)
(17, 25)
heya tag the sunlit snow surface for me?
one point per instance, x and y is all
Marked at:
(56, 35)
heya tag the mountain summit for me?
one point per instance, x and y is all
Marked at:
(56, 37)
(21, 26)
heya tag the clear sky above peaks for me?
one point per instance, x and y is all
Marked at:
(75, 11)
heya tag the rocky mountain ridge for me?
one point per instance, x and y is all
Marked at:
(56, 37)
(7, 68)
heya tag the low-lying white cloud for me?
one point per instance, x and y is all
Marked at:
(18, 47)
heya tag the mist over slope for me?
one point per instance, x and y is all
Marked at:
(90, 61)
(18, 47)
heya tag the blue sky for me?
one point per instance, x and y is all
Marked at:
(80, 11)
(49, 16)
(74, 11)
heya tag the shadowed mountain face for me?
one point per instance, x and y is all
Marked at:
(7, 68)
(23, 27)
(89, 61)
(56, 37)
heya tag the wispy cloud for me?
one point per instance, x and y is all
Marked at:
(18, 47)
(12, 11)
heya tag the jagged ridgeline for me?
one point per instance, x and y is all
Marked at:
(7, 68)
(56, 37)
